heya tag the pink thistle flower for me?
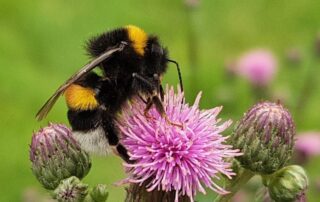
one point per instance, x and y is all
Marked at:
(257, 66)
(170, 158)
(308, 144)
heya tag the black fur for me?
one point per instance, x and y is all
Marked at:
(155, 58)
(98, 44)
(84, 120)
(117, 85)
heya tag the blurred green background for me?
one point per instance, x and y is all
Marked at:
(41, 44)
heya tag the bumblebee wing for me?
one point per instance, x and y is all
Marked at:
(45, 109)
(43, 112)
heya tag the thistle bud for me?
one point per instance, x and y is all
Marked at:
(71, 190)
(265, 136)
(99, 193)
(287, 184)
(55, 155)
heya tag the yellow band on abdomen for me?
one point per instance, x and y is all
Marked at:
(80, 98)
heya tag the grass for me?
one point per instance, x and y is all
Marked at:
(41, 44)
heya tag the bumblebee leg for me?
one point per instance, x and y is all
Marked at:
(111, 133)
(148, 107)
(150, 88)
(156, 78)
(161, 93)
(141, 98)
(154, 99)
(158, 104)
(147, 83)
(123, 152)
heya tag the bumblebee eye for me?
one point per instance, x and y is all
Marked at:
(156, 49)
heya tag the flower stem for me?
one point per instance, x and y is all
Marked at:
(138, 193)
(260, 93)
(192, 42)
(235, 184)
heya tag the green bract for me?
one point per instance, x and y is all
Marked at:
(287, 184)
(99, 193)
(71, 190)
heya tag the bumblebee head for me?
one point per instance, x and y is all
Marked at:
(156, 58)
(144, 52)
(149, 48)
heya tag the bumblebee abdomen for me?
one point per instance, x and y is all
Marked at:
(80, 98)
(84, 120)
(93, 141)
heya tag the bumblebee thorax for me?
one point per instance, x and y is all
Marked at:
(138, 38)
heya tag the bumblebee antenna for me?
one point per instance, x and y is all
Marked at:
(179, 72)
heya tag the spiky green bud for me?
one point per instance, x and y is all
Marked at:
(55, 155)
(265, 136)
(71, 190)
(287, 184)
(99, 193)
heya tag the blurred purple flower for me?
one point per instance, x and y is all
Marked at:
(257, 66)
(308, 144)
(241, 195)
(169, 158)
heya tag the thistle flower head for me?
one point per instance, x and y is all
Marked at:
(308, 143)
(99, 193)
(170, 158)
(265, 135)
(257, 66)
(306, 146)
(55, 155)
(287, 184)
(71, 190)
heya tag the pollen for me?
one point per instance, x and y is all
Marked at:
(138, 37)
(80, 98)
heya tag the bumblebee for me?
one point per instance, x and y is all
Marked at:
(133, 64)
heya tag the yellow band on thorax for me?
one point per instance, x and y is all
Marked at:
(138, 37)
